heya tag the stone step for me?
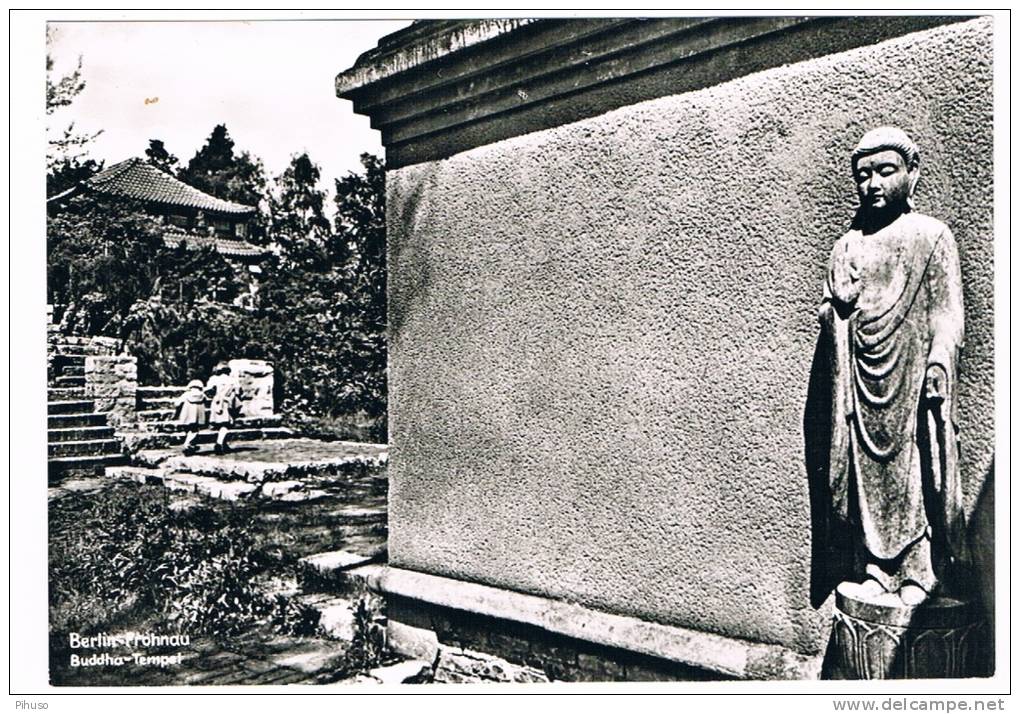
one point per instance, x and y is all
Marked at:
(75, 344)
(78, 352)
(228, 490)
(336, 614)
(68, 421)
(90, 447)
(155, 415)
(158, 392)
(328, 571)
(137, 440)
(57, 394)
(86, 464)
(66, 381)
(168, 426)
(71, 406)
(149, 403)
(62, 359)
(81, 433)
(207, 486)
(412, 671)
(74, 340)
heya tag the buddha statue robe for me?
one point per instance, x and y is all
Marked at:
(892, 308)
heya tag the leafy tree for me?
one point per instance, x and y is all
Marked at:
(298, 222)
(360, 238)
(360, 243)
(162, 159)
(99, 260)
(68, 173)
(65, 162)
(321, 317)
(108, 264)
(176, 341)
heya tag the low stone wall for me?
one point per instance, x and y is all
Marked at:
(112, 382)
(255, 378)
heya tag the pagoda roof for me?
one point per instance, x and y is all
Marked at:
(137, 179)
(224, 246)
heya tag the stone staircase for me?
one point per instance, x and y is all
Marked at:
(79, 439)
(158, 429)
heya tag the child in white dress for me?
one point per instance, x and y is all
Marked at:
(191, 413)
(224, 392)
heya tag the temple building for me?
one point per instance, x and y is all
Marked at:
(192, 217)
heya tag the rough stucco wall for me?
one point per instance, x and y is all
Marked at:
(602, 334)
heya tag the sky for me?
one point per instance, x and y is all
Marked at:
(270, 82)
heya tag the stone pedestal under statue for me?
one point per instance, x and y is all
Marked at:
(878, 637)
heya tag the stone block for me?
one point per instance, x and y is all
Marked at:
(514, 648)
(225, 490)
(134, 473)
(642, 673)
(414, 642)
(310, 656)
(111, 381)
(336, 617)
(301, 496)
(543, 652)
(182, 482)
(463, 665)
(255, 378)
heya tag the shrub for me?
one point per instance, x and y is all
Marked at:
(127, 551)
(367, 646)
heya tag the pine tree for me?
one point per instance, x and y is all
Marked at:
(241, 178)
(217, 170)
(162, 159)
(213, 165)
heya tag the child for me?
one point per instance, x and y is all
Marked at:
(222, 388)
(192, 413)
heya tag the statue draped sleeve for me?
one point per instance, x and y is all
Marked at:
(836, 327)
(940, 430)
